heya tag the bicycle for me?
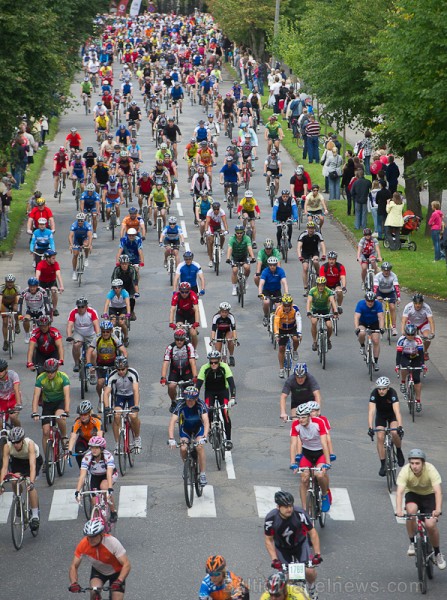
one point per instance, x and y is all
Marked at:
(126, 440)
(112, 220)
(369, 352)
(159, 221)
(229, 128)
(388, 325)
(59, 187)
(78, 192)
(410, 394)
(86, 103)
(246, 175)
(322, 339)
(425, 556)
(55, 455)
(5, 424)
(274, 300)
(181, 385)
(11, 335)
(369, 278)
(272, 189)
(126, 191)
(171, 263)
(80, 264)
(216, 436)
(100, 506)
(20, 509)
(241, 284)
(105, 419)
(288, 354)
(284, 239)
(311, 274)
(217, 249)
(390, 456)
(314, 497)
(191, 473)
(229, 199)
(97, 590)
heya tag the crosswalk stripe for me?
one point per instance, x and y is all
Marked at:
(179, 209)
(5, 506)
(265, 498)
(208, 347)
(202, 314)
(341, 508)
(204, 506)
(229, 465)
(133, 501)
(63, 506)
(185, 233)
(393, 502)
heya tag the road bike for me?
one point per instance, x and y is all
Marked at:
(229, 128)
(179, 397)
(83, 369)
(97, 591)
(390, 456)
(369, 278)
(216, 436)
(217, 249)
(272, 189)
(77, 192)
(86, 103)
(229, 199)
(314, 497)
(100, 506)
(158, 221)
(388, 325)
(284, 239)
(322, 338)
(425, 556)
(241, 284)
(274, 301)
(126, 439)
(171, 262)
(11, 332)
(127, 194)
(288, 354)
(80, 263)
(59, 187)
(410, 393)
(6, 425)
(191, 475)
(145, 212)
(176, 109)
(246, 175)
(20, 508)
(311, 274)
(105, 419)
(369, 351)
(113, 220)
(55, 455)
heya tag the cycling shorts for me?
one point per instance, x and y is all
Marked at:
(111, 201)
(426, 504)
(273, 172)
(384, 420)
(79, 175)
(390, 295)
(22, 466)
(300, 553)
(90, 209)
(117, 311)
(371, 257)
(222, 396)
(50, 408)
(9, 402)
(312, 458)
(88, 339)
(187, 434)
(94, 574)
(184, 375)
(95, 480)
(283, 333)
(121, 401)
(321, 312)
(374, 325)
(249, 213)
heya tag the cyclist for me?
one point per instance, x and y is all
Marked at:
(170, 132)
(100, 465)
(273, 168)
(90, 203)
(134, 114)
(133, 220)
(192, 415)
(230, 176)
(215, 218)
(284, 209)
(10, 394)
(420, 481)
(315, 205)
(278, 588)
(320, 301)
(384, 411)
(60, 165)
(272, 281)
(132, 245)
(40, 211)
(82, 327)
(21, 456)
(190, 153)
(335, 274)
(287, 321)
(205, 159)
(190, 271)
(86, 92)
(102, 125)
(303, 388)
(177, 95)
(53, 388)
(315, 413)
(216, 583)
(129, 276)
(288, 535)
(228, 110)
(239, 250)
(249, 210)
(420, 314)
(185, 309)
(45, 342)
(368, 251)
(73, 140)
(48, 273)
(386, 285)
(369, 315)
(81, 234)
(410, 353)
(86, 426)
(180, 359)
(171, 238)
(9, 301)
(77, 171)
(117, 304)
(159, 198)
(263, 255)
(300, 184)
(224, 327)
(273, 134)
(213, 132)
(122, 135)
(125, 383)
(144, 187)
(310, 242)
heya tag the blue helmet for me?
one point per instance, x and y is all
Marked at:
(300, 370)
(191, 393)
(33, 281)
(106, 325)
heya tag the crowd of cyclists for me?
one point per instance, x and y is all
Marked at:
(146, 70)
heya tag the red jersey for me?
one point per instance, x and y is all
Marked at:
(169, 165)
(185, 304)
(107, 100)
(45, 342)
(298, 183)
(325, 421)
(74, 140)
(47, 271)
(61, 159)
(145, 186)
(332, 274)
(36, 213)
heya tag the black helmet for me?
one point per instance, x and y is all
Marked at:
(370, 296)
(418, 297)
(386, 266)
(410, 329)
(81, 302)
(284, 499)
(3, 364)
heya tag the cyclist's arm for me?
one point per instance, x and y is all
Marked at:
(323, 248)
(73, 573)
(109, 475)
(66, 391)
(333, 304)
(438, 497)
(371, 414)
(315, 540)
(396, 409)
(285, 285)
(357, 320)
(136, 393)
(293, 447)
(196, 313)
(399, 500)
(299, 249)
(5, 463)
(206, 424)
(171, 426)
(32, 463)
(270, 546)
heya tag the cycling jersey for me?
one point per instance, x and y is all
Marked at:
(191, 150)
(240, 248)
(216, 379)
(80, 232)
(294, 592)
(40, 213)
(409, 348)
(189, 272)
(248, 205)
(106, 350)
(47, 271)
(299, 183)
(208, 589)
(83, 323)
(88, 429)
(384, 404)
(52, 389)
(368, 247)
(172, 234)
(179, 357)
(7, 393)
(222, 325)
(422, 485)
(288, 533)
(42, 240)
(45, 342)
(190, 417)
(185, 304)
(206, 157)
(131, 248)
(273, 130)
(230, 173)
(159, 196)
(263, 256)
(310, 435)
(332, 274)
(284, 210)
(369, 315)
(417, 317)
(284, 321)
(320, 300)
(273, 279)
(145, 185)
(310, 244)
(201, 133)
(97, 467)
(9, 294)
(118, 301)
(90, 199)
(204, 206)
(34, 303)
(386, 285)
(301, 392)
(102, 122)
(134, 151)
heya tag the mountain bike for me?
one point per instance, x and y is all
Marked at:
(112, 220)
(288, 354)
(55, 455)
(191, 475)
(241, 284)
(5, 424)
(11, 333)
(425, 556)
(284, 239)
(171, 263)
(314, 497)
(230, 199)
(20, 508)
(369, 278)
(272, 189)
(311, 274)
(216, 435)
(390, 456)
(158, 221)
(126, 439)
(246, 175)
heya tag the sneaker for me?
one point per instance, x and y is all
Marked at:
(74, 276)
(228, 445)
(138, 443)
(27, 337)
(418, 406)
(118, 222)
(340, 310)
(290, 245)
(202, 241)
(76, 369)
(116, 449)
(400, 457)
(64, 185)
(172, 407)
(312, 591)
(376, 366)
(234, 292)
(95, 236)
(306, 292)
(426, 356)
(211, 264)
(35, 522)
(267, 188)
(295, 356)
(411, 550)
(113, 516)
(394, 332)
(5, 346)
(55, 313)
(440, 561)
(73, 192)
(55, 194)
(202, 479)
(402, 387)
(231, 361)
(86, 262)
(281, 374)
(329, 345)
(314, 346)
(329, 495)
(382, 470)
(265, 322)
(363, 286)
(325, 504)
(133, 316)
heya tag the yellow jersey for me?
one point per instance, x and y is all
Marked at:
(294, 592)
(248, 204)
(102, 122)
(286, 320)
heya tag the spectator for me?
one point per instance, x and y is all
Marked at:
(44, 128)
(382, 197)
(19, 159)
(392, 174)
(367, 151)
(372, 205)
(313, 129)
(360, 194)
(436, 225)
(332, 170)
(394, 220)
(347, 175)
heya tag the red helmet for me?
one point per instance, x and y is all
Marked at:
(184, 286)
(179, 334)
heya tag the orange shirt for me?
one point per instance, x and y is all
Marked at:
(104, 557)
(87, 430)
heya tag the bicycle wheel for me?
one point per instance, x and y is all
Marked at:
(420, 563)
(197, 484)
(242, 291)
(389, 468)
(10, 342)
(87, 500)
(59, 458)
(370, 361)
(130, 446)
(188, 482)
(50, 472)
(284, 250)
(80, 269)
(122, 455)
(311, 508)
(216, 262)
(288, 360)
(217, 443)
(411, 401)
(429, 560)
(59, 192)
(112, 224)
(335, 326)
(17, 522)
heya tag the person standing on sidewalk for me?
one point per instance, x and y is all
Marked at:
(360, 193)
(436, 225)
(313, 129)
(392, 174)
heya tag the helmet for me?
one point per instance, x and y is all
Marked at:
(33, 281)
(3, 364)
(210, 116)
(97, 441)
(302, 410)
(332, 254)
(124, 258)
(299, 170)
(273, 151)
(268, 243)
(417, 453)
(410, 329)
(106, 325)
(300, 370)
(285, 193)
(243, 126)
(49, 253)
(80, 217)
(132, 231)
(37, 194)
(144, 174)
(81, 302)
(121, 362)
(90, 187)
(386, 266)
(201, 169)
(40, 201)
(272, 260)
(163, 146)
(73, 130)
(229, 159)
(122, 126)
(239, 228)
(43, 320)
(10, 278)
(367, 231)
(370, 296)
(418, 298)
(215, 563)
(16, 434)
(117, 283)
(85, 407)
(112, 178)
(133, 210)
(51, 365)
(383, 382)
(284, 499)
(99, 103)
(321, 280)
(179, 334)
(224, 306)
(249, 194)
(89, 149)
(276, 583)
(313, 405)
(214, 354)
(184, 286)
(204, 143)
(133, 103)
(310, 225)
(287, 299)
(42, 221)
(172, 220)
(93, 527)
(123, 153)
(191, 393)
(215, 205)
(188, 254)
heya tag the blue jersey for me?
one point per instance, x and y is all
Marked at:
(177, 92)
(131, 248)
(190, 417)
(90, 200)
(126, 88)
(230, 173)
(175, 76)
(189, 272)
(201, 133)
(206, 86)
(42, 240)
(80, 232)
(369, 315)
(172, 234)
(273, 279)
(237, 90)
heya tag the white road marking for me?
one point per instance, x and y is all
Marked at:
(265, 498)
(203, 321)
(5, 506)
(180, 209)
(185, 233)
(133, 501)
(229, 465)
(187, 247)
(393, 502)
(341, 508)
(208, 346)
(63, 506)
(204, 507)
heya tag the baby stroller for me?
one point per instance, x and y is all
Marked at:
(411, 224)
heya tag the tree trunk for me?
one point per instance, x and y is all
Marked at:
(433, 194)
(411, 184)
(257, 43)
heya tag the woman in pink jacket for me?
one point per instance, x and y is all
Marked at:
(436, 225)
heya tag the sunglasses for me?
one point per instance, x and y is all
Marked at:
(214, 362)
(216, 574)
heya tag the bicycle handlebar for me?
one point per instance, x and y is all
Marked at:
(418, 515)
(10, 411)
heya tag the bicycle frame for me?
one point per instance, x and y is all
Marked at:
(191, 472)
(314, 496)
(410, 395)
(217, 433)
(425, 556)
(390, 456)
(55, 455)
(11, 330)
(369, 351)
(369, 277)
(126, 440)
(20, 508)
(322, 338)
(100, 504)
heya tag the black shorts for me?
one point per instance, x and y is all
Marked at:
(249, 213)
(46, 285)
(298, 400)
(283, 333)
(273, 172)
(312, 455)
(374, 325)
(40, 358)
(94, 574)
(384, 420)
(117, 311)
(22, 466)
(101, 370)
(179, 375)
(309, 256)
(299, 554)
(426, 504)
(181, 317)
(221, 395)
(95, 481)
(322, 312)
(50, 408)
(412, 362)
(272, 294)
(222, 334)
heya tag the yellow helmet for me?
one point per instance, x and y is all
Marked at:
(287, 299)
(321, 280)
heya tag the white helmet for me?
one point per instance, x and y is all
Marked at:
(117, 283)
(131, 231)
(249, 194)
(80, 217)
(93, 527)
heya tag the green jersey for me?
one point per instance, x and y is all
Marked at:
(52, 389)
(86, 87)
(159, 196)
(240, 249)
(263, 256)
(320, 300)
(273, 130)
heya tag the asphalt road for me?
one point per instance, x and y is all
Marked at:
(363, 547)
